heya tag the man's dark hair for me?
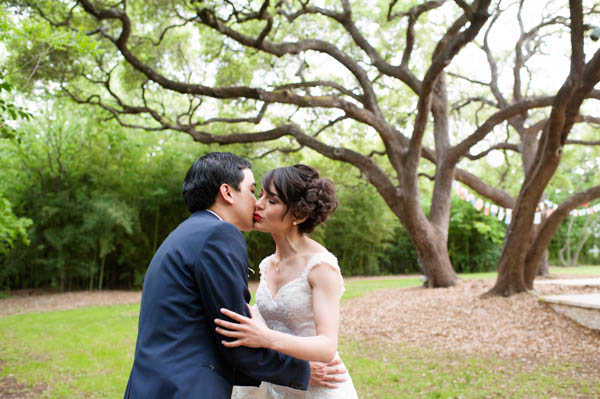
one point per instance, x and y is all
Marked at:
(207, 174)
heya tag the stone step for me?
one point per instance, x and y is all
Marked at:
(574, 282)
(583, 308)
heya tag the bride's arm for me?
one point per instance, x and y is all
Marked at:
(326, 286)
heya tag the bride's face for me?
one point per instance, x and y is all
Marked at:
(269, 212)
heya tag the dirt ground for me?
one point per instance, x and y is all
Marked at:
(457, 319)
(453, 319)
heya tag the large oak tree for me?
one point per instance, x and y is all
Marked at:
(329, 74)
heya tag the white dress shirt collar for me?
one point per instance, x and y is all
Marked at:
(219, 217)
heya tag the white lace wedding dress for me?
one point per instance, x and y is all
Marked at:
(291, 311)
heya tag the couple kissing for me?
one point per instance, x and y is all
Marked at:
(197, 336)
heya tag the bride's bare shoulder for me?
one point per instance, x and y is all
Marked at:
(314, 247)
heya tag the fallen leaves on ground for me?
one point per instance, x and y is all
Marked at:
(458, 319)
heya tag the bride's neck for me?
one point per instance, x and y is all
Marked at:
(288, 244)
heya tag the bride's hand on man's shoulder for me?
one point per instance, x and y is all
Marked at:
(248, 331)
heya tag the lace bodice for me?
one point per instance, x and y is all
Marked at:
(290, 310)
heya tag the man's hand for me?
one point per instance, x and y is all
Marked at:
(327, 374)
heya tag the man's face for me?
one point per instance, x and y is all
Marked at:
(244, 202)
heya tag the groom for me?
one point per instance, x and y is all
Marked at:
(202, 266)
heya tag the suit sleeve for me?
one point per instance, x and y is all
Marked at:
(222, 277)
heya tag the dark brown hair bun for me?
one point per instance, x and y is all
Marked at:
(304, 193)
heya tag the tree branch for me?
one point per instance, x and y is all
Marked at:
(495, 194)
(504, 114)
(255, 120)
(551, 224)
(446, 49)
(400, 72)
(284, 97)
(500, 146)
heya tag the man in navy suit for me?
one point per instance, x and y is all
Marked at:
(201, 267)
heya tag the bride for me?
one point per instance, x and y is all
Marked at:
(300, 284)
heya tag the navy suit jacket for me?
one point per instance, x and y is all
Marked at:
(201, 266)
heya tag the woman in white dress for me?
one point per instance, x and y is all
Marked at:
(298, 297)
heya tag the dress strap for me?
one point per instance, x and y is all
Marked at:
(327, 258)
(262, 266)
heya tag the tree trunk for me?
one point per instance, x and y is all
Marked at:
(91, 284)
(514, 275)
(91, 271)
(511, 267)
(61, 282)
(439, 213)
(566, 261)
(101, 276)
(549, 227)
(543, 269)
(529, 147)
(431, 235)
(436, 263)
(432, 248)
(582, 238)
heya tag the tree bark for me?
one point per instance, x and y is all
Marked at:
(566, 261)
(581, 239)
(432, 249)
(543, 269)
(514, 275)
(549, 227)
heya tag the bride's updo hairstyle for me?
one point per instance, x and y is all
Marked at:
(304, 193)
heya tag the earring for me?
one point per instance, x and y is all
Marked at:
(294, 222)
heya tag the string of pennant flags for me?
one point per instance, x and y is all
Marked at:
(545, 207)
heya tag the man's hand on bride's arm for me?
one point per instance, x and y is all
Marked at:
(327, 374)
(249, 332)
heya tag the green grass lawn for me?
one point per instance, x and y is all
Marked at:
(554, 270)
(82, 353)
(87, 353)
(583, 270)
(380, 370)
(356, 288)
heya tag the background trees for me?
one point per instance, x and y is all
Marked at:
(12, 227)
(89, 216)
(100, 200)
(380, 88)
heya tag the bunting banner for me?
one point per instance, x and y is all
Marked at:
(544, 208)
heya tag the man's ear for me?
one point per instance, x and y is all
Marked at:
(225, 193)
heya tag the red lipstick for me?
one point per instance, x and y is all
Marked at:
(257, 217)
